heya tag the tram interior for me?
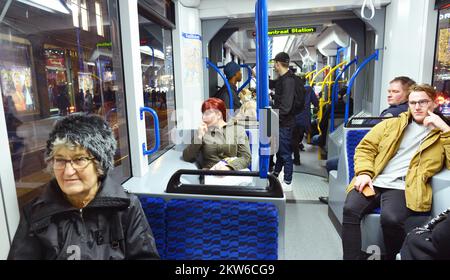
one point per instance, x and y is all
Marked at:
(46, 63)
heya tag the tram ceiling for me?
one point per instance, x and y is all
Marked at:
(310, 19)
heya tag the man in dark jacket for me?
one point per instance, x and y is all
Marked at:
(429, 242)
(83, 213)
(234, 75)
(283, 101)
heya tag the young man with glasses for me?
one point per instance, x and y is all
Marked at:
(395, 160)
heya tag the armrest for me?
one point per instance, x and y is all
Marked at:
(441, 191)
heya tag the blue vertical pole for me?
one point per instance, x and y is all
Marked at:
(262, 83)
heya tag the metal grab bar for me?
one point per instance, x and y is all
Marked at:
(225, 80)
(352, 80)
(322, 101)
(262, 81)
(273, 189)
(156, 126)
(335, 88)
(318, 73)
(249, 77)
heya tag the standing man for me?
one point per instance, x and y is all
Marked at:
(285, 90)
(396, 160)
(234, 75)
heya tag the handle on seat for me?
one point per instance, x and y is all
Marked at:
(156, 126)
(272, 190)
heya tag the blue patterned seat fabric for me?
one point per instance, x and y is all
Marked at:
(221, 230)
(353, 139)
(155, 211)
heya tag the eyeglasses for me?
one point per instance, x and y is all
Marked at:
(422, 103)
(77, 163)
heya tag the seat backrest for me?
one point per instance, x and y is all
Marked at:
(221, 230)
(353, 137)
(155, 211)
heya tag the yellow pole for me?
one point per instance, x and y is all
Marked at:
(309, 75)
(318, 73)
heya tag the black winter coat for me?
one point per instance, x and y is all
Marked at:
(111, 226)
(225, 96)
(284, 99)
(430, 242)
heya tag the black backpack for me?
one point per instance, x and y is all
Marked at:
(300, 92)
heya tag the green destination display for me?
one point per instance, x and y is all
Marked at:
(291, 30)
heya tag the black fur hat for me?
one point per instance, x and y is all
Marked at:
(90, 132)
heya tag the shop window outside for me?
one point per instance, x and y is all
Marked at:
(48, 70)
(158, 82)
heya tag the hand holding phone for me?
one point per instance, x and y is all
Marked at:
(368, 191)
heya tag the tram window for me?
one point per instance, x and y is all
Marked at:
(50, 68)
(441, 75)
(157, 78)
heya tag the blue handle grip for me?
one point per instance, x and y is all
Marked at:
(335, 88)
(230, 94)
(352, 81)
(249, 77)
(156, 125)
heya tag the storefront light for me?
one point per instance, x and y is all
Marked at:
(51, 6)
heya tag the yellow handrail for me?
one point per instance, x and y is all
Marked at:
(309, 74)
(318, 73)
(329, 77)
(326, 81)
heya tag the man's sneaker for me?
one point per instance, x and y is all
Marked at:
(287, 187)
(275, 174)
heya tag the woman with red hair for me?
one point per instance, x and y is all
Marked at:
(222, 145)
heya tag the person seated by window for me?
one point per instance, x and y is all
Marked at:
(222, 145)
(83, 213)
(395, 161)
(430, 241)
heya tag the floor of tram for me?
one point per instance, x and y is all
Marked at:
(310, 235)
(309, 179)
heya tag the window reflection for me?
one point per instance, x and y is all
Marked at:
(157, 78)
(49, 68)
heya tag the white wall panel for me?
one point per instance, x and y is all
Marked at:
(409, 42)
(189, 66)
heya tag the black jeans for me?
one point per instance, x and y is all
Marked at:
(393, 217)
(297, 138)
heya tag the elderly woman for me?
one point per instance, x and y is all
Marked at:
(83, 213)
(223, 146)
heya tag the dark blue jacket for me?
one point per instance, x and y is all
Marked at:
(391, 111)
(304, 118)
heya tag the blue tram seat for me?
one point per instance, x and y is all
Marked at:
(155, 211)
(370, 225)
(221, 230)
